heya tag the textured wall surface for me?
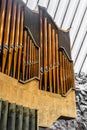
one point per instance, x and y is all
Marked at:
(80, 123)
(50, 106)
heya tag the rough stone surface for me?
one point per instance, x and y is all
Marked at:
(80, 123)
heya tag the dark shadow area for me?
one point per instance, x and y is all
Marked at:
(42, 128)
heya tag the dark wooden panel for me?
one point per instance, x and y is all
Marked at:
(64, 41)
(32, 22)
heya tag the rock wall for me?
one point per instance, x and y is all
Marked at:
(80, 123)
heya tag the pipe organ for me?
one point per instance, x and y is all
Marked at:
(56, 66)
(35, 52)
(19, 52)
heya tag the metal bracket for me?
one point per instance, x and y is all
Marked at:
(16, 45)
(0, 48)
(5, 47)
(41, 70)
(11, 46)
(46, 68)
(50, 65)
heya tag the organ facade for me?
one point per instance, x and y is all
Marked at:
(36, 68)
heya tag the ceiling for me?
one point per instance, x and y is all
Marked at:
(69, 14)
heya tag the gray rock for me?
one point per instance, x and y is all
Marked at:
(80, 123)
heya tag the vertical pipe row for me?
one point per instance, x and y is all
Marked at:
(2, 17)
(66, 73)
(27, 59)
(61, 72)
(16, 117)
(65, 60)
(20, 41)
(32, 56)
(17, 29)
(13, 41)
(37, 61)
(54, 62)
(34, 74)
(24, 53)
(11, 38)
(14, 35)
(45, 55)
(30, 67)
(65, 68)
(72, 71)
(57, 64)
(41, 51)
(6, 33)
(50, 57)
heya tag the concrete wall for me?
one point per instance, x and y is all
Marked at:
(50, 106)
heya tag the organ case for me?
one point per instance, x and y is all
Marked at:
(35, 60)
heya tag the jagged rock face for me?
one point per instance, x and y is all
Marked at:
(80, 123)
